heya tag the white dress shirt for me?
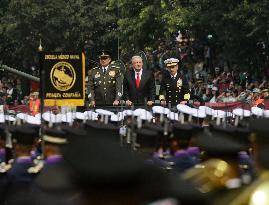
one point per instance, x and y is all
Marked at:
(140, 74)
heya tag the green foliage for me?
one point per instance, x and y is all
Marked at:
(74, 25)
(91, 25)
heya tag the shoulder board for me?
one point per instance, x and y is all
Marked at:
(36, 169)
(4, 167)
(117, 67)
(95, 68)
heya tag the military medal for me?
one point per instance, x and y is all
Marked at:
(97, 75)
(112, 73)
(179, 83)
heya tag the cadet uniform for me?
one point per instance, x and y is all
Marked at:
(219, 176)
(105, 84)
(181, 159)
(18, 177)
(2, 144)
(257, 192)
(174, 89)
(52, 185)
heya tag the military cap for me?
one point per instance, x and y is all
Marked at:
(23, 136)
(105, 53)
(56, 178)
(104, 112)
(55, 136)
(105, 167)
(171, 62)
(238, 134)
(197, 113)
(147, 138)
(217, 144)
(160, 110)
(260, 129)
(52, 118)
(241, 112)
(182, 131)
(265, 90)
(73, 133)
(107, 131)
(196, 130)
(155, 127)
(33, 120)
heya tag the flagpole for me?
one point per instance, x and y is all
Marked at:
(41, 86)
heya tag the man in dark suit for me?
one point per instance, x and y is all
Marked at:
(138, 84)
(105, 82)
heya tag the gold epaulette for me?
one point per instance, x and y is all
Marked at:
(210, 175)
(4, 167)
(187, 96)
(37, 168)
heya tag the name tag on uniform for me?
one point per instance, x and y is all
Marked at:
(112, 73)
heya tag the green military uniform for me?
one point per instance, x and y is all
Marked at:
(105, 87)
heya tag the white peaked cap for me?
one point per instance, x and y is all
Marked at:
(173, 116)
(184, 109)
(90, 115)
(128, 113)
(160, 110)
(199, 113)
(50, 117)
(257, 111)
(139, 112)
(171, 60)
(38, 115)
(33, 120)
(104, 112)
(10, 118)
(80, 116)
(208, 110)
(68, 117)
(219, 113)
(2, 118)
(22, 116)
(115, 118)
(241, 112)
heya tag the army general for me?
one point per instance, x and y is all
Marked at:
(105, 82)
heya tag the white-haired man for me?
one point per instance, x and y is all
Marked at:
(138, 84)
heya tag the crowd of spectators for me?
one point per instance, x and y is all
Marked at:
(10, 89)
(211, 77)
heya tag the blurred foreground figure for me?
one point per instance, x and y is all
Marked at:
(109, 174)
(257, 192)
(18, 178)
